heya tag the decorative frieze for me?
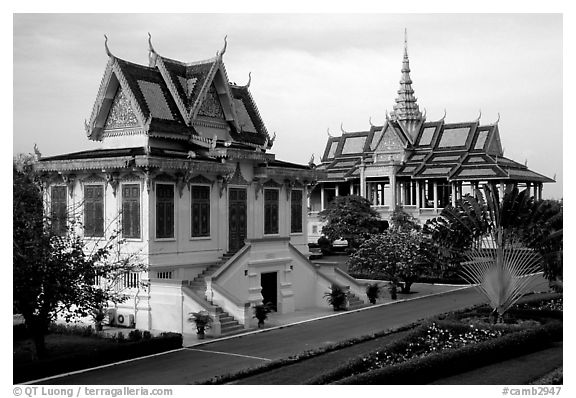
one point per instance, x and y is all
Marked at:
(121, 114)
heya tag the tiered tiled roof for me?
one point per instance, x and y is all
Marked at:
(167, 98)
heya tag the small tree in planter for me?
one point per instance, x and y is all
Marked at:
(336, 297)
(261, 312)
(203, 321)
(373, 291)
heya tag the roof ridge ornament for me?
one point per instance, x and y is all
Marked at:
(150, 47)
(497, 120)
(370, 121)
(479, 116)
(443, 117)
(249, 80)
(220, 53)
(328, 132)
(342, 128)
(106, 47)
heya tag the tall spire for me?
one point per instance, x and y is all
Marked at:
(406, 109)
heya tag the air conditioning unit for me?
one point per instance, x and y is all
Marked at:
(124, 319)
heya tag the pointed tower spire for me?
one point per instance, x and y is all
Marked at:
(406, 110)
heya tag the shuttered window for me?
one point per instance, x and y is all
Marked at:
(164, 211)
(271, 211)
(200, 210)
(58, 209)
(93, 210)
(131, 211)
(296, 211)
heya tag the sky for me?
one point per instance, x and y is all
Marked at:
(310, 73)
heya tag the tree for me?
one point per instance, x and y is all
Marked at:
(55, 274)
(403, 221)
(351, 218)
(504, 241)
(395, 256)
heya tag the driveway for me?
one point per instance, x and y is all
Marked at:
(198, 363)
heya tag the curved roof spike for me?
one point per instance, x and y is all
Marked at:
(370, 121)
(479, 116)
(106, 46)
(497, 120)
(424, 114)
(249, 80)
(443, 117)
(328, 132)
(225, 45)
(150, 47)
(342, 127)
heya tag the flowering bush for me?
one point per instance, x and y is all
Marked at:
(436, 338)
(393, 255)
(548, 305)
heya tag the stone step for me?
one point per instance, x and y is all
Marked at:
(231, 329)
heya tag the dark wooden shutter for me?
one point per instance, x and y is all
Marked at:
(164, 211)
(296, 211)
(271, 211)
(58, 209)
(94, 210)
(131, 211)
(200, 211)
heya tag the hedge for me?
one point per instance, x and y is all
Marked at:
(431, 367)
(83, 360)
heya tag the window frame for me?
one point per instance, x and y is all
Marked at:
(209, 221)
(156, 202)
(103, 187)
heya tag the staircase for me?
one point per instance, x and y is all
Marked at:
(354, 302)
(228, 324)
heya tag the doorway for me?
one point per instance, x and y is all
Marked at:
(269, 284)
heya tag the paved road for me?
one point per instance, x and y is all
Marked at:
(199, 363)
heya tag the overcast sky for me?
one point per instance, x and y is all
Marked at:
(310, 72)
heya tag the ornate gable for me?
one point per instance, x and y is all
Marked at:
(121, 113)
(211, 105)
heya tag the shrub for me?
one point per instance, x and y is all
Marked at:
(120, 337)
(135, 335)
(261, 312)
(146, 335)
(372, 291)
(336, 297)
(202, 319)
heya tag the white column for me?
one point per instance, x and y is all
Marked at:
(393, 188)
(528, 188)
(351, 188)
(402, 194)
(322, 197)
(540, 191)
(418, 192)
(362, 179)
(337, 193)
(435, 195)
(453, 194)
(501, 188)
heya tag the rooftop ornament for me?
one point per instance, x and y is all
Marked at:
(479, 116)
(328, 132)
(497, 120)
(220, 53)
(249, 80)
(342, 128)
(106, 47)
(443, 117)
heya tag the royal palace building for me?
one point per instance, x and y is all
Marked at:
(418, 164)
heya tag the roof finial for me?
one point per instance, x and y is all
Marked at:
(424, 114)
(443, 117)
(497, 120)
(150, 47)
(370, 121)
(342, 127)
(225, 45)
(406, 41)
(106, 46)
(249, 80)
(479, 116)
(328, 132)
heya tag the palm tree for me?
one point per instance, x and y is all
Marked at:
(504, 242)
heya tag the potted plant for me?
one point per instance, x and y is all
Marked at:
(373, 291)
(261, 313)
(203, 320)
(336, 297)
(392, 288)
(98, 315)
